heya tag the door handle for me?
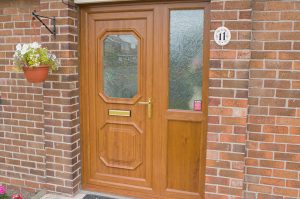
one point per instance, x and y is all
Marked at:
(149, 105)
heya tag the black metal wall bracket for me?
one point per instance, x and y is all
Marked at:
(53, 20)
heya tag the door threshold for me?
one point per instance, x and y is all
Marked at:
(82, 194)
(56, 196)
(102, 194)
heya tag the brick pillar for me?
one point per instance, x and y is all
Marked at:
(273, 149)
(228, 100)
(61, 101)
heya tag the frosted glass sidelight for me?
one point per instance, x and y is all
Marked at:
(120, 63)
(185, 61)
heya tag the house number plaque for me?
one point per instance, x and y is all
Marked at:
(222, 36)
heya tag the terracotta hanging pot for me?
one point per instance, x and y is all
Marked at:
(36, 74)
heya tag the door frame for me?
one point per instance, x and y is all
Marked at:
(84, 116)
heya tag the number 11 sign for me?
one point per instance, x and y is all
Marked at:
(222, 36)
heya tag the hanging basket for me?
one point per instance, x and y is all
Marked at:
(36, 74)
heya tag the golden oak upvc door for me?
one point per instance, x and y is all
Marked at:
(144, 71)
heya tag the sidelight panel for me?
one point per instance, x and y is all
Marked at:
(185, 59)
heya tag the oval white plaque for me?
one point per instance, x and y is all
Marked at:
(222, 36)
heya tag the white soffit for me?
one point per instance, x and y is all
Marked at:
(96, 1)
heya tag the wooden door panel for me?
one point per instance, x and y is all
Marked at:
(161, 155)
(119, 148)
(183, 155)
(183, 131)
(183, 158)
(126, 132)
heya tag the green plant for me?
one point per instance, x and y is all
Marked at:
(3, 194)
(33, 55)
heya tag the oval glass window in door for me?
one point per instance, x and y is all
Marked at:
(120, 65)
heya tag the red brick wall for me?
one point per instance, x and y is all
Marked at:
(61, 102)
(254, 110)
(273, 144)
(228, 96)
(39, 137)
(22, 154)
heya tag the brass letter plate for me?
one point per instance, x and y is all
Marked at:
(120, 113)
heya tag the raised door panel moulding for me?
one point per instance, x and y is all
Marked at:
(96, 1)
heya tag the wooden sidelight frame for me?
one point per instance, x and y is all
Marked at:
(159, 125)
(182, 115)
